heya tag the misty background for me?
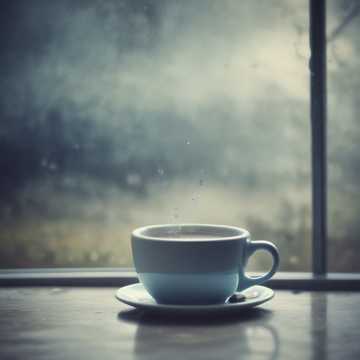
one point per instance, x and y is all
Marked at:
(118, 114)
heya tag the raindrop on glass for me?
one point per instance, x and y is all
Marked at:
(134, 180)
(44, 162)
(53, 166)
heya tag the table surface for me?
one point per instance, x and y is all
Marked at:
(89, 323)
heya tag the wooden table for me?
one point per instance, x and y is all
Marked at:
(89, 323)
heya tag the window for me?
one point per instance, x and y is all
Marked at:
(118, 114)
(124, 113)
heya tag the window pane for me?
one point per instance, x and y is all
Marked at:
(344, 134)
(116, 114)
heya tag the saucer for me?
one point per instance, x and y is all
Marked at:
(137, 296)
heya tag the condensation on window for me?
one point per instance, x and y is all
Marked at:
(120, 114)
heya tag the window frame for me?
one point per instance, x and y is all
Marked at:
(319, 278)
(317, 32)
(115, 277)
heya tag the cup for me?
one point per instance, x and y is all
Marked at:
(196, 263)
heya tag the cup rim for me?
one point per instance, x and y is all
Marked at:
(239, 233)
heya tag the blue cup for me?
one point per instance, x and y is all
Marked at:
(196, 263)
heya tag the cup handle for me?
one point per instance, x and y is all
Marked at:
(251, 247)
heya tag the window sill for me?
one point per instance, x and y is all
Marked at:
(122, 277)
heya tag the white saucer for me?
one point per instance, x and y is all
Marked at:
(136, 295)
